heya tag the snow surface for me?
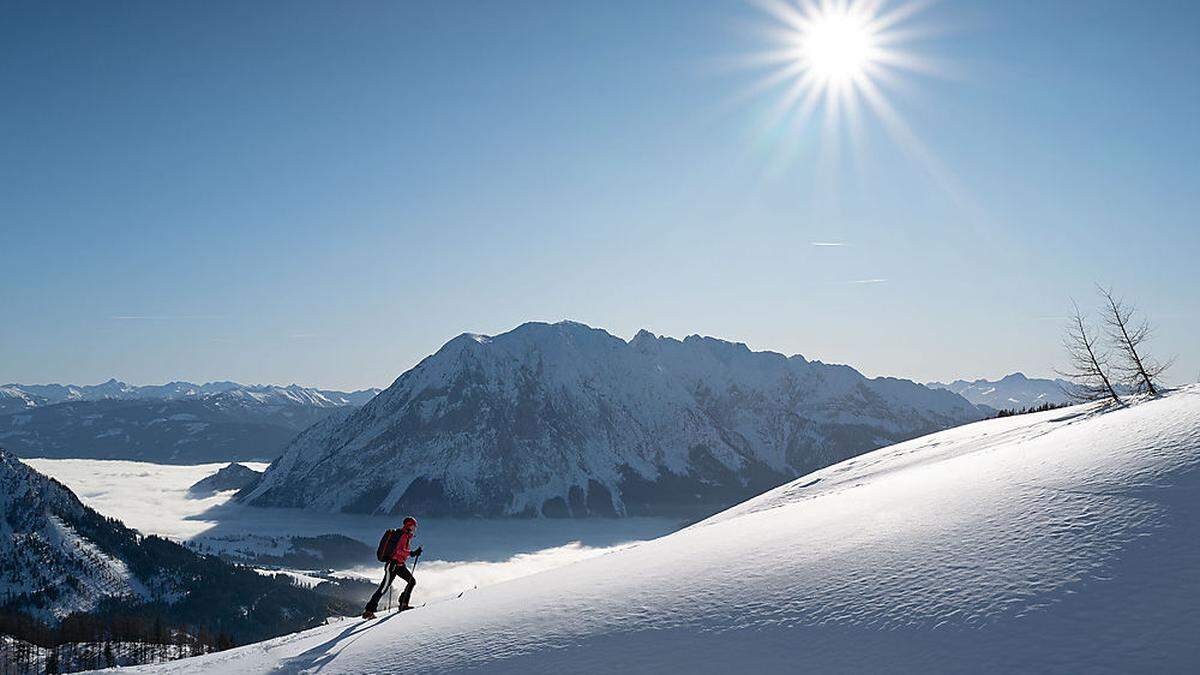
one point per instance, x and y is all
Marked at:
(1064, 541)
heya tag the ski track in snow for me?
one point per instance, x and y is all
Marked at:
(1066, 541)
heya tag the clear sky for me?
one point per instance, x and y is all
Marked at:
(325, 192)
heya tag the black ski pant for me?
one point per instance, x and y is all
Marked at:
(394, 569)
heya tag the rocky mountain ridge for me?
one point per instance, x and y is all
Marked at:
(568, 420)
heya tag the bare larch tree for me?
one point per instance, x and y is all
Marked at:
(1088, 364)
(1128, 335)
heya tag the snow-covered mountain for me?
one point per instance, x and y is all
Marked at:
(568, 420)
(1063, 541)
(49, 394)
(211, 423)
(1011, 392)
(13, 399)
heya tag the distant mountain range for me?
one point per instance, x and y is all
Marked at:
(568, 420)
(59, 558)
(15, 397)
(177, 423)
(1011, 392)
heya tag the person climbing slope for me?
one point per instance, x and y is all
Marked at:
(394, 550)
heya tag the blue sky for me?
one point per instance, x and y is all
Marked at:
(324, 193)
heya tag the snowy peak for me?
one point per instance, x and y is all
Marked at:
(13, 399)
(566, 419)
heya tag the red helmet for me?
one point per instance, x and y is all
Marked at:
(410, 522)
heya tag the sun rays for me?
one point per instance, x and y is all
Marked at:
(829, 62)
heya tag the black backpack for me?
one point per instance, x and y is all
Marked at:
(387, 545)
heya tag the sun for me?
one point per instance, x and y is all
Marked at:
(836, 45)
(830, 61)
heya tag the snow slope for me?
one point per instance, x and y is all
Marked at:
(1064, 541)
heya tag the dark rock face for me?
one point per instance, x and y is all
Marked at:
(565, 420)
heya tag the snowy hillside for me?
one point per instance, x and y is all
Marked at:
(1064, 541)
(567, 420)
(13, 399)
(50, 568)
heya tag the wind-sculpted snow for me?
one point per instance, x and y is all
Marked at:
(567, 420)
(1066, 541)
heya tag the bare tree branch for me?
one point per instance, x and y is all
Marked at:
(1087, 369)
(1128, 333)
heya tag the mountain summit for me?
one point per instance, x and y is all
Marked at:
(568, 420)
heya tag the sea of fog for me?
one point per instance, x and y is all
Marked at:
(460, 554)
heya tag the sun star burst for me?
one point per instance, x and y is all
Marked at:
(836, 58)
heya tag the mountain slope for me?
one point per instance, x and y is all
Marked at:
(1064, 541)
(13, 399)
(41, 546)
(564, 419)
(59, 557)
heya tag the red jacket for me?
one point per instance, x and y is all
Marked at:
(401, 552)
